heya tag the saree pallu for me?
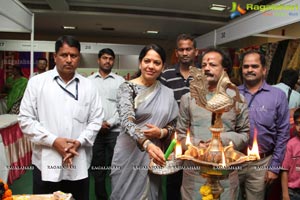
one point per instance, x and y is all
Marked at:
(290, 51)
(129, 173)
(16, 93)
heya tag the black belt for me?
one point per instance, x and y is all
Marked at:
(264, 155)
(295, 189)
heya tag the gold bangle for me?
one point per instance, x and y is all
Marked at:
(146, 144)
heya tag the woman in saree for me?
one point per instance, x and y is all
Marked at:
(15, 85)
(148, 114)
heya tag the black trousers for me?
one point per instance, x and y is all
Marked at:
(103, 150)
(173, 185)
(79, 188)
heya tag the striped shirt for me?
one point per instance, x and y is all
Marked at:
(173, 79)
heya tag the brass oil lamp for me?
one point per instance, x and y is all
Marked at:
(216, 162)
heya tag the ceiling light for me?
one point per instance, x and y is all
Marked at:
(217, 7)
(152, 32)
(69, 27)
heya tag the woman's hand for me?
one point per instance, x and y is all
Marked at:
(152, 132)
(156, 154)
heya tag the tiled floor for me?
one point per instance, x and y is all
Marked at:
(24, 185)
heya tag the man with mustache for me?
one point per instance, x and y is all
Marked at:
(107, 84)
(177, 78)
(191, 116)
(61, 113)
(269, 118)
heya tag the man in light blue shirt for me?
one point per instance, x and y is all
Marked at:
(287, 84)
(107, 84)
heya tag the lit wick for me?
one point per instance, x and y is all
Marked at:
(188, 138)
(254, 152)
(178, 150)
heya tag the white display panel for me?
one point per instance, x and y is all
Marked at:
(14, 17)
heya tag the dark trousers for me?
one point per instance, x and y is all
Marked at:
(79, 188)
(294, 194)
(274, 191)
(103, 150)
(173, 185)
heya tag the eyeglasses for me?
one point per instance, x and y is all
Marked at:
(252, 66)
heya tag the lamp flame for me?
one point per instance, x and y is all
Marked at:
(223, 159)
(254, 152)
(178, 149)
(188, 138)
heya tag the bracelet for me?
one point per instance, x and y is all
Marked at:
(161, 133)
(146, 144)
(170, 130)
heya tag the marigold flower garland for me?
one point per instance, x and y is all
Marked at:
(5, 192)
(205, 191)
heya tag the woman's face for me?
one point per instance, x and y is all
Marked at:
(151, 66)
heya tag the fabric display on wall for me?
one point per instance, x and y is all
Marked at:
(290, 52)
(295, 62)
(235, 74)
(276, 64)
(270, 51)
(10, 58)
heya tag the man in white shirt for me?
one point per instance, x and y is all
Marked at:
(41, 65)
(108, 84)
(61, 113)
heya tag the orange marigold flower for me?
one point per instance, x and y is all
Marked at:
(7, 193)
(5, 186)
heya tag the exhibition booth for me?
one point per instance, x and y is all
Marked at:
(256, 30)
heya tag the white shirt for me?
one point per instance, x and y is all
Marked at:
(34, 74)
(107, 89)
(294, 98)
(48, 112)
